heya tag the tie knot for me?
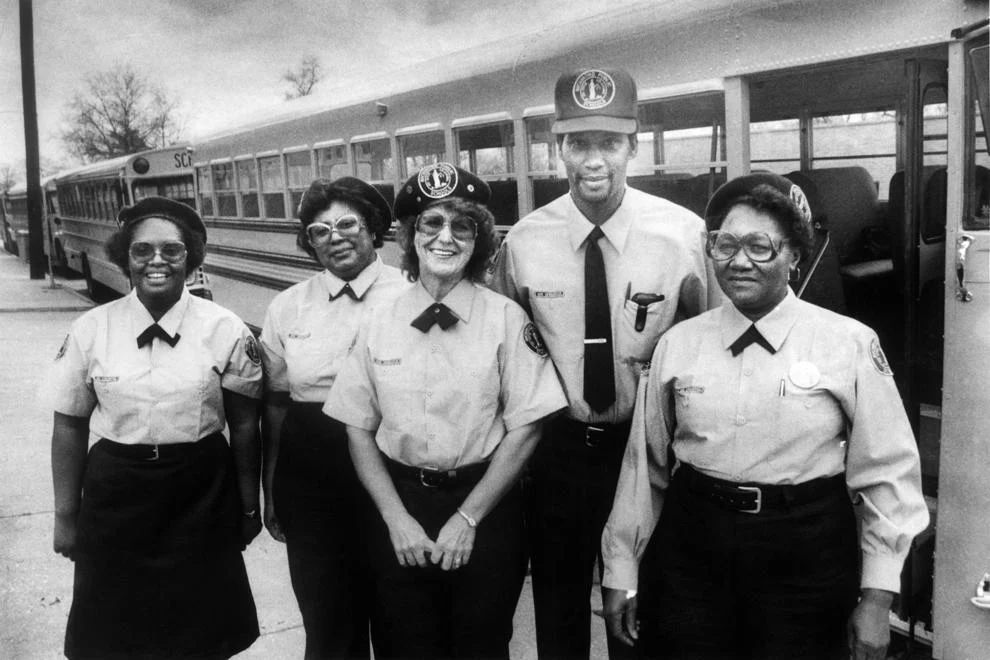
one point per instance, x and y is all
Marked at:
(751, 336)
(435, 314)
(155, 330)
(595, 234)
(346, 290)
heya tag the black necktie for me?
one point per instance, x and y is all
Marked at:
(345, 290)
(155, 330)
(599, 368)
(751, 336)
(438, 314)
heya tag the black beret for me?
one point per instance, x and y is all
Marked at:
(163, 207)
(435, 183)
(356, 187)
(744, 185)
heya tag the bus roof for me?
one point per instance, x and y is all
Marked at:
(104, 167)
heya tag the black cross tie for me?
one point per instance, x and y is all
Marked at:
(599, 367)
(751, 336)
(155, 330)
(345, 290)
(438, 314)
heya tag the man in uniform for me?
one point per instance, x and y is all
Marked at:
(603, 271)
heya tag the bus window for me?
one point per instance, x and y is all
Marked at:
(488, 152)
(331, 162)
(421, 149)
(299, 165)
(373, 159)
(247, 185)
(223, 189)
(272, 186)
(205, 190)
(548, 178)
(775, 145)
(680, 156)
(867, 139)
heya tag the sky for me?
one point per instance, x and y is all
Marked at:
(224, 59)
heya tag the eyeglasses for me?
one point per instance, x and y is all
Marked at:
(462, 227)
(171, 251)
(758, 246)
(319, 233)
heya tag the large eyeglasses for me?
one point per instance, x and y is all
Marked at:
(319, 233)
(462, 227)
(758, 246)
(171, 251)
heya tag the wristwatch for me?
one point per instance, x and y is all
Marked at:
(251, 515)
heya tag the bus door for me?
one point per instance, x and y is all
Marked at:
(962, 557)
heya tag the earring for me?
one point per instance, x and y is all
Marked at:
(794, 275)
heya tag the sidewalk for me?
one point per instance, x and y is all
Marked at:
(19, 293)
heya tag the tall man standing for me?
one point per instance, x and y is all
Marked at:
(603, 272)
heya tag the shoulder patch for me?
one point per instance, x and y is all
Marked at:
(879, 359)
(533, 339)
(64, 347)
(251, 349)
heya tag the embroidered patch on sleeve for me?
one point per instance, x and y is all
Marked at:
(533, 339)
(61, 351)
(251, 349)
(879, 359)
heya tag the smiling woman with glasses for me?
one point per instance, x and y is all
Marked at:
(311, 490)
(443, 397)
(156, 513)
(783, 419)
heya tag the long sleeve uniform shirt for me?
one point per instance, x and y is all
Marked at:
(823, 404)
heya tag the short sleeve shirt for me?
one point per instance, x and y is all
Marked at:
(157, 394)
(310, 327)
(446, 398)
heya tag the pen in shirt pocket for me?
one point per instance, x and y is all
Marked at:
(782, 391)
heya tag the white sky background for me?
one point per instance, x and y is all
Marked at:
(224, 59)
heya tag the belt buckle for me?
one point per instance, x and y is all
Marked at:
(154, 454)
(432, 477)
(590, 439)
(759, 499)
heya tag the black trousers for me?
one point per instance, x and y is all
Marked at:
(463, 613)
(316, 498)
(569, 495)
(717, 583)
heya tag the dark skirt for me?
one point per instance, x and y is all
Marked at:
(158, 566)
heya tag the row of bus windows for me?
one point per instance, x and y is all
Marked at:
(679, 139)
(100, 200)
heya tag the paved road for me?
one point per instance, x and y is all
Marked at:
(35, 583)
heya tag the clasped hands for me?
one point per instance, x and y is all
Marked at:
(451, 549)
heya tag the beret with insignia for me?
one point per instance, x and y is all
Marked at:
(163, 207)
(436, 183)
(719, 204)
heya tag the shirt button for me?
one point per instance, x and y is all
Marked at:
(740, 420)
(748, 371)
(434, 349)
(428, 394)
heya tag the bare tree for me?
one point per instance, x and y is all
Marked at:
(9, 176)
(120, 112)
(303, 78)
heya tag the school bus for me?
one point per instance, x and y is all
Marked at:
(878, 109)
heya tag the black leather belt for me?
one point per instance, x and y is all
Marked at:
(754, 498)
(153, 452)
(434, 477)
(594, 433)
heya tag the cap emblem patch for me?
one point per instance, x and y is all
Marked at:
(594, 89)
(797, 196)
(438, 181)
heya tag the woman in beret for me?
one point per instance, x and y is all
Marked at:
(783, 420)
(443, 397)
(155, 515)
(311, 490)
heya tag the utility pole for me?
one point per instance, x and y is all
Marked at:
(36, 236)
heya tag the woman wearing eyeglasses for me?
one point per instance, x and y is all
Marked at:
(443, 397)
(155, 515)
(786, 425)
(311, 489)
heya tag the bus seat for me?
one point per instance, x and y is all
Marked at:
(931, 227)
(824, 288)
(981, 214)
(673, 187)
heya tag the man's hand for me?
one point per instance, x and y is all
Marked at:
(620, 616)
(869, 625)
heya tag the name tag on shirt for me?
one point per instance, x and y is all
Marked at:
(548, 294)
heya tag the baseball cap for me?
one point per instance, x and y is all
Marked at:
(595, 100)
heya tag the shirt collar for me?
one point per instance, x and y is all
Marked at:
(359, 284)
(774, 327)
(616, 228)
(460, 300)
(170, 322)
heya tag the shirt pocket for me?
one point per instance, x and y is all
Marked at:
(652, 319)
(399, 387)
